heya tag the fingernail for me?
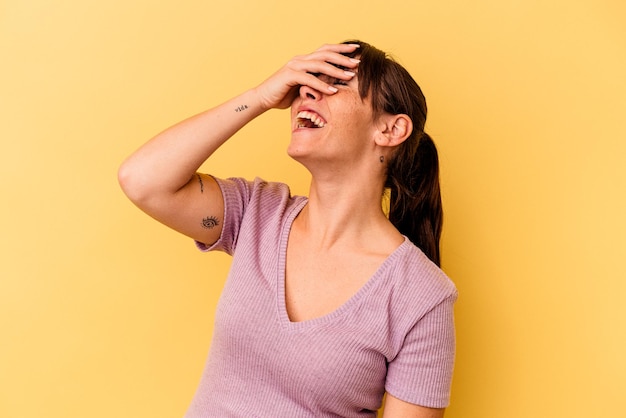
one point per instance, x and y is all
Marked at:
(355, 60)
(355, 45)
(350, 73)
(333, 89)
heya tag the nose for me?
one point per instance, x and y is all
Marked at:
(307, 92)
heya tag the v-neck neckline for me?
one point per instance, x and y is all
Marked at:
(281, 278)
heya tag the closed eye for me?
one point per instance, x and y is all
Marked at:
(330, 80)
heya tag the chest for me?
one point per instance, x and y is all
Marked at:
(319, 282)
(342, 357)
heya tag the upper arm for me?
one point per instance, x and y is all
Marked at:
(396, 408)
(195, 210)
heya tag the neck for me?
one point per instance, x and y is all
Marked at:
(344, 212)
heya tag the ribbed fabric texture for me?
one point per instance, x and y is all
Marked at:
(395, 334)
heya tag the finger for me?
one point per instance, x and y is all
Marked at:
(333, 53)
(327, 60)
(323, 76)
(319, 81)
(332, 57)
(339, 48)
(321, 66)
(312, 81)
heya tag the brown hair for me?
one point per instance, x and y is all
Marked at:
(415, 206)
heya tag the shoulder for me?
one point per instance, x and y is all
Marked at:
(417, 282)
(257, 189)
(416, 267)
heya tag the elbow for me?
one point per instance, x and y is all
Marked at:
(141, 186)
(132, 182)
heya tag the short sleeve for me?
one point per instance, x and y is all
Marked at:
(236, 193)
(421, 373)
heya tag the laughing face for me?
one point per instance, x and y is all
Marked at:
(331, 127)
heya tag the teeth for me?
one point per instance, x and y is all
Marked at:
(313, 117)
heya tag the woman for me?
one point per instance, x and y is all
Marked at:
(329, 304)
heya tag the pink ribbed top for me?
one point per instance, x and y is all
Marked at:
(395, 334)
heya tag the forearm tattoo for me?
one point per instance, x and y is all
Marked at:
(210, 222)
(201, 183)
(241, 108)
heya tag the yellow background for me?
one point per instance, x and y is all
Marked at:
(105, 313)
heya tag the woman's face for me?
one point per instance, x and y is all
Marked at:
(331, 127)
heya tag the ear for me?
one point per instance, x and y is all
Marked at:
(394, 129)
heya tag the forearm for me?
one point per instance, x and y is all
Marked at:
(168, 161)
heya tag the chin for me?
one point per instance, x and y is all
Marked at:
(298, 147)
(303, 155)
(296, 153)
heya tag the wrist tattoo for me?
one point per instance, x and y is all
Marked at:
(201, 183)
(241, 108)
(210, 222)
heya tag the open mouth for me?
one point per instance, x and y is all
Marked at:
(306, 119)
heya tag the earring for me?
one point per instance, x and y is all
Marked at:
(382, 159)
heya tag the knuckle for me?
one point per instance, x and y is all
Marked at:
(295, 60)
(292, 63)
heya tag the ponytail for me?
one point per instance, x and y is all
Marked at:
(415, 207)
(413, 171)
